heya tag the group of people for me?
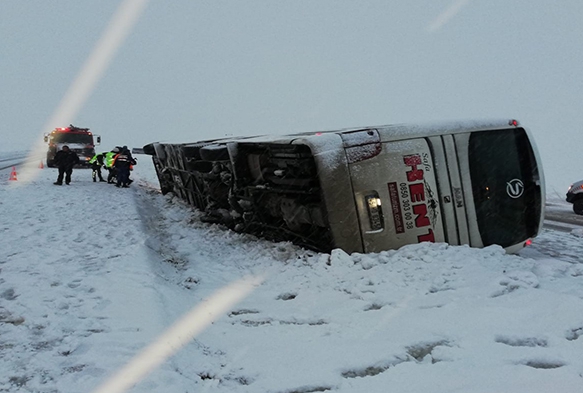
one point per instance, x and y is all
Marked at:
(118, 162)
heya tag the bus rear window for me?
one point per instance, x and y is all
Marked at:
(505, 185)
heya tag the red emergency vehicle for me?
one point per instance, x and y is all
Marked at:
(80, 140)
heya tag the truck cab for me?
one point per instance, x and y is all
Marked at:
(80, 140)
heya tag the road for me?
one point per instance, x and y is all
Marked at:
(559, 215)
(6, 163)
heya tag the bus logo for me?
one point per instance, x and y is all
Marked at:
(515, 188)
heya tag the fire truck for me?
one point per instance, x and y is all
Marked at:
(80, 140)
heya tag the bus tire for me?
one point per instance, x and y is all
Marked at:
(214, 153)
(192, 152)
(578, 207)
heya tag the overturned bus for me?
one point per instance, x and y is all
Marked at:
(367, 189)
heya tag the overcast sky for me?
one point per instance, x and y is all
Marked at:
(192, 70)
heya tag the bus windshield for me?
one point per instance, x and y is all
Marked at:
(506, 186)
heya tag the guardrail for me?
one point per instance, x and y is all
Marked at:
(9, 162)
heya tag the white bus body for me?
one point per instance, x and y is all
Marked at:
(367, 189)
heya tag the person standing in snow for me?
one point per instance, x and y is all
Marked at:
(133, 161)
(96, 163)
(65, 160)
(122, 163)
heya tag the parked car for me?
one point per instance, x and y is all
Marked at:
(575, 196)
(367, 189)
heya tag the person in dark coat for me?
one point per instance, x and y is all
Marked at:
(65, 160)
(122, 163)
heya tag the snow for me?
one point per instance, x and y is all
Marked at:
(109, 290)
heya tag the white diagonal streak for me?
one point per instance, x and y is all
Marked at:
(94, 67)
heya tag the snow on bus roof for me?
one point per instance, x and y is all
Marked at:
(387, 132)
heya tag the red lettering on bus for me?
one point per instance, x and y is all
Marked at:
(414, 173)
(396, 207)
(417, 192)
(417, 196)
(421, 211)
(428, 237)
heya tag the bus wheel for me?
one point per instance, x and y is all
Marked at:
(192, 152)
(214, 153)
(578, 207)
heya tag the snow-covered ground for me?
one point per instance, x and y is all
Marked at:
(105, 289)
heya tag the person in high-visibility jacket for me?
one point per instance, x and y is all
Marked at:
(96, 163)
(108, 163)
